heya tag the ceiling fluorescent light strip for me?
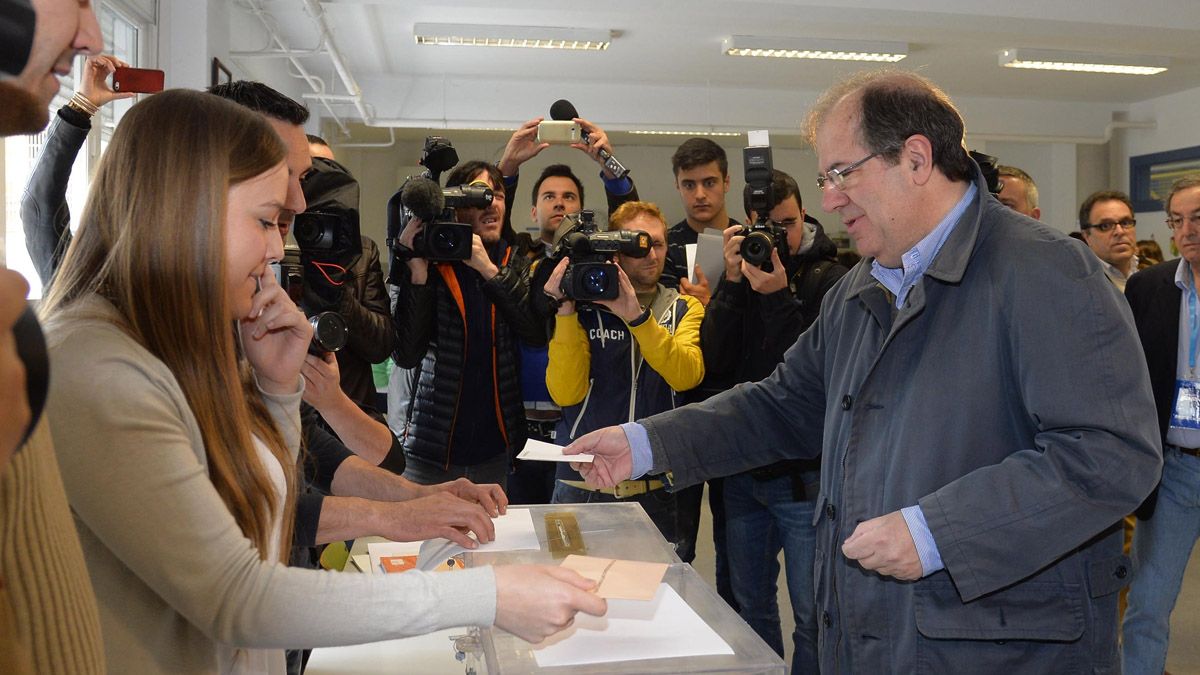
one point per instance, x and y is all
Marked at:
(805, 48)
(664, 132)
(532, 37)
(1034, 59)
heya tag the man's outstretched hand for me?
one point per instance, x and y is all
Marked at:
(613, 461)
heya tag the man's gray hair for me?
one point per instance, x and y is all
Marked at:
(1189, 181)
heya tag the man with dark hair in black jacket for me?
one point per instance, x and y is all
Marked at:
(754, 317)
(457, 328)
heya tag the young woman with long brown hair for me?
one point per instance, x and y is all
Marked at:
(174, 408)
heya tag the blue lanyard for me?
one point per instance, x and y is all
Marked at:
(1193, 323)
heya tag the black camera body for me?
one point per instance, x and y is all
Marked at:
(763, 236)
(442, 239)
(330, 330)
(592, 275)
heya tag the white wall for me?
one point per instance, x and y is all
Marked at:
(1178, 127)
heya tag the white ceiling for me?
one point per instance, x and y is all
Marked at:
(665, 70)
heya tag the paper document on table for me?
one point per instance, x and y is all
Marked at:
(619, 579)
(514, 532)
(390, 549)
(666, 627)
(542, 451)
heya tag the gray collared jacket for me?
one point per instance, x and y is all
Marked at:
(1009, 398)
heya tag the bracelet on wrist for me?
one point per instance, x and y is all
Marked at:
(82, 104)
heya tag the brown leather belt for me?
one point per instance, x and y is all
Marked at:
(1194, 452)
(624, 489)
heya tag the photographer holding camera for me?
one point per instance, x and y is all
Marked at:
(342, 273)
(457, 327)
(756, 315)
(620, 359)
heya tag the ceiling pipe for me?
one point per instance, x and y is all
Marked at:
(339, 63)
(390, 143)
(284, 51)
(1074, 140)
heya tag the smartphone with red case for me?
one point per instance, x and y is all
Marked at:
(137, 80)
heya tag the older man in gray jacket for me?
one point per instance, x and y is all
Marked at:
(987, 415)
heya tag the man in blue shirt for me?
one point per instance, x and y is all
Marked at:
(970, 495)
(1167, 313)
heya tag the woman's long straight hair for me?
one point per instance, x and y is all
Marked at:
(151, 240)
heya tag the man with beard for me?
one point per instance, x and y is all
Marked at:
(457, 328)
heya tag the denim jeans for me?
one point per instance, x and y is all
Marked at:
(658, 504)
(762, 517)
(1161, 548)
(425, 473)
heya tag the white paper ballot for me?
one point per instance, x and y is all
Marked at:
(542, 451)
(710, 255)
(690, 251)
(633, 630)
(514, 532)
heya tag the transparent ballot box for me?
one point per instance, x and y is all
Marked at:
(622, 531)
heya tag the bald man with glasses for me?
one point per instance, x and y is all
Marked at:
(1110, 230)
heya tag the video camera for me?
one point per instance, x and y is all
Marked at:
(592, 275)
(330, 331)
(763, 235)
(442, 238)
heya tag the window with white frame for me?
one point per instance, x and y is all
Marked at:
(126, 36)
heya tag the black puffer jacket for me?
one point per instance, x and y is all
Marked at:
(430, 329)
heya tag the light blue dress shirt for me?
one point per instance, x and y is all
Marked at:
(899, 281)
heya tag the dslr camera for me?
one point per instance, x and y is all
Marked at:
(442, 238)
(329, 328)
(592, 275)
(763, 236)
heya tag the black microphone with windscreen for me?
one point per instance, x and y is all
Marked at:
(563, 111)
(423, 197)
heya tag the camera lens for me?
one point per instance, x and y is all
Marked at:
(756, 248)
(329, 333)
(596, 281)
(444, 241)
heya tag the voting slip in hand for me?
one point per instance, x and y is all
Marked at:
(548, 452)
(619, 579)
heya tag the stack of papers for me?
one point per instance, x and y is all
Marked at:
(514, 532)
(666, 627)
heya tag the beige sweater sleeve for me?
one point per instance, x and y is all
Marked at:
(53, 606)
(135, 474)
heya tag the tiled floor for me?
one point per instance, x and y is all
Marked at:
(1183, 658)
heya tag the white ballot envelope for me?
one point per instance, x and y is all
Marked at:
(548, 452)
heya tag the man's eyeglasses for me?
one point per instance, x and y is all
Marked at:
(1176, 222)
(837, 177)
(1108, 225)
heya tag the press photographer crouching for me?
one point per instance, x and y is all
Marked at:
(623, 345)
(777, 269)
(458, 315)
